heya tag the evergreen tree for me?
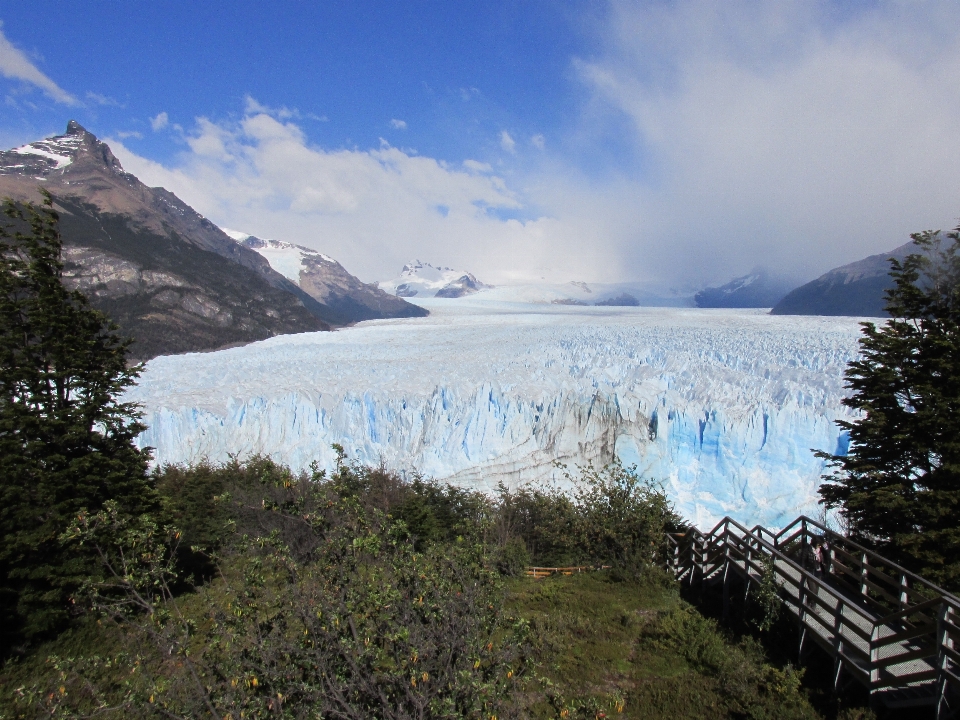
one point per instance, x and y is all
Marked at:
(899, 485)
(66, 441)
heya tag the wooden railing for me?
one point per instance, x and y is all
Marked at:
(886, 627)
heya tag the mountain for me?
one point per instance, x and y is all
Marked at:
(855, 289)
(169, 277)
(420, 279)
(345, 298)
(759, 289)
(622, 300)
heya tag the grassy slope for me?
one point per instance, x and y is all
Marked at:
(636, 650)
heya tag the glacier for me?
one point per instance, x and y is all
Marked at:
(723, 407)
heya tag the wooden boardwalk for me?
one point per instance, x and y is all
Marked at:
(886, 628)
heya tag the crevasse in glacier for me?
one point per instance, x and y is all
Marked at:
(721, 406)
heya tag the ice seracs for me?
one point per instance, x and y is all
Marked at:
(724, 407)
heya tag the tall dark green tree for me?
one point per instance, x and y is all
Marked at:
(899, 485)
(66, 440)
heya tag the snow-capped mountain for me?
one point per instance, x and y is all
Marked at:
(167, 275)
(41, 158)
(721, 406)
(420, 279)
(758, 289)
(346, 298)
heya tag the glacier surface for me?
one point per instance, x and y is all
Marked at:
(721, 406)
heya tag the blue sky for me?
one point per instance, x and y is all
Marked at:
(675, 143)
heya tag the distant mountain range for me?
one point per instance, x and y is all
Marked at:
(170, 278)
(759, 289)
(420, 279)
(855, 289)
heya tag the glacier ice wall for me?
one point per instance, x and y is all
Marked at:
(721, 406)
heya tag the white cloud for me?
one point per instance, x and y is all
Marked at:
(787, 133)
(160, 121)
(371, 209)
(252, 107)
(398, 124)
(102, 99)
(507, 142)
(15, 64)
(477, 166)
(538, 141)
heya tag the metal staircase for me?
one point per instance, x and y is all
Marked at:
(886, 628)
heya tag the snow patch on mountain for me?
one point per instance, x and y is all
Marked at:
(423, 280)
(61, 150)
(286, 258)
(721, 406)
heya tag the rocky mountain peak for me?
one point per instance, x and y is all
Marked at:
(75, 128)
(77, 149)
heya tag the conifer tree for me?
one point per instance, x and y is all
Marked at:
(66, 441)
(899, 485)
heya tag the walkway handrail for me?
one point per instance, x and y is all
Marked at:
(777, 553)
(846, 610)
(870, 553)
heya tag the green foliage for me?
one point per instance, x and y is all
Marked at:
(66, 442)
(611, 517)
(321, 607)
(766, 598)
(899, 485)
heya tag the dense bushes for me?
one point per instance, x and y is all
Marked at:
(611, 516)
(354, 595)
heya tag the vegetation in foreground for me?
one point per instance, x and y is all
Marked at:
(269, 594)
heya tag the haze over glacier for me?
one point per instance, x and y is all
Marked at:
(722, 406)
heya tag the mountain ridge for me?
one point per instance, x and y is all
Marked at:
(326, 281)
(855, 289)
(170, 278)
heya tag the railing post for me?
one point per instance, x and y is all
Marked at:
(874, 657)
(864, 570)
(944, 642)
(837, 645)
(904, 592)
(704, 553)
(726, 574)
(747, 559)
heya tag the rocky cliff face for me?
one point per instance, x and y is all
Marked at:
(168, 276)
